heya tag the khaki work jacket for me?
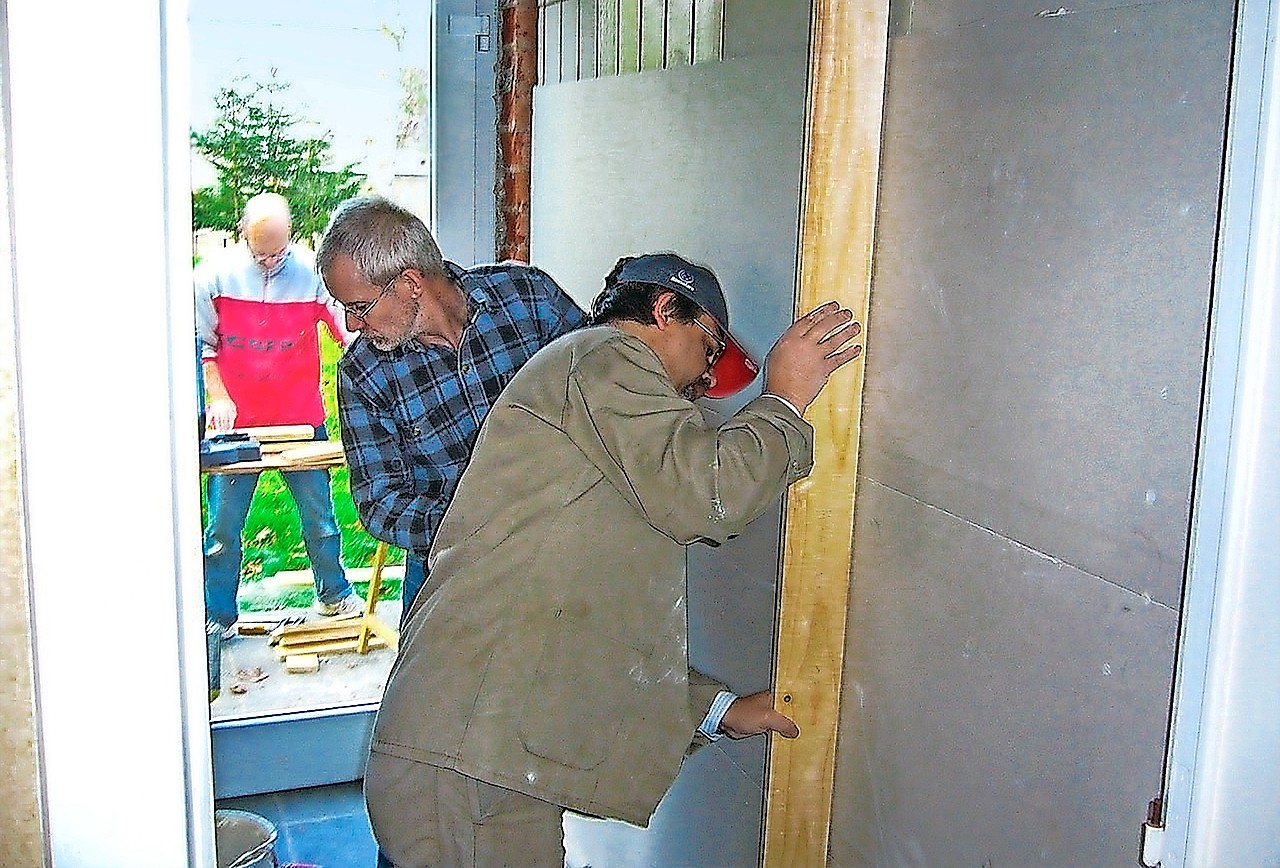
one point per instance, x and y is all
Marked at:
(548, 652)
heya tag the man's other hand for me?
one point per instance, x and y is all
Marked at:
(809, 351)
(754, 714)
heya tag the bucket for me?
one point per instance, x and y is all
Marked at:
(244, 840)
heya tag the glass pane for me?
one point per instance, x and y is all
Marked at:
(607, 37)
(587, 38)
(264, 82)
(569, 14)
(653, 33)
(679, 32)
(708, 30)
(629, 36)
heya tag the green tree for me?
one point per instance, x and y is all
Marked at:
(256, 146)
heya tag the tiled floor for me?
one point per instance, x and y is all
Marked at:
(326, 827)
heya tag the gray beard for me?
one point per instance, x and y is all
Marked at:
(411, 335)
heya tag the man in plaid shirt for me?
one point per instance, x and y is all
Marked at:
(437, 344)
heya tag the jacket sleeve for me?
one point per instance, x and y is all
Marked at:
(382, 487)
(691, 479)
(703, 689)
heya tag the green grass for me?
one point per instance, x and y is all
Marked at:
(273, 532)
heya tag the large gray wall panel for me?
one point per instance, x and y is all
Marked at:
(1034, 371)
(1000, 707)
(1050, 193)
(704, 160)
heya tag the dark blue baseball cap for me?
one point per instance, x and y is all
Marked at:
(735, 369)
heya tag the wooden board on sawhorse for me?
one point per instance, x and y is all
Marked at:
(341, 635)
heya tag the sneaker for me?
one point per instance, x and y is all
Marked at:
(224, 631)
(349, 606)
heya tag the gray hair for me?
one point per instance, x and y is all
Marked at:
(381, 238)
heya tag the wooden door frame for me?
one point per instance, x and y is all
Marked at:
(848, 54)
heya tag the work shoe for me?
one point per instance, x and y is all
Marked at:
(224, 631)
(348, 607)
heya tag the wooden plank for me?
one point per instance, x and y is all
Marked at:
(302, 663)
(320, 451)
(276, 433)
(371, 596)
(848, 53)
(332, 646)
(338, 628)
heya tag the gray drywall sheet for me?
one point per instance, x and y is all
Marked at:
(1049, 194)
(704, 160)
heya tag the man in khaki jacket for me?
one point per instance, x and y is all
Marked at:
(546, 666)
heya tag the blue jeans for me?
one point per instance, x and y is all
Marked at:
(230, 495)
(414, 578)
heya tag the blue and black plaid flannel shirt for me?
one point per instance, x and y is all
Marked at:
(410, 416)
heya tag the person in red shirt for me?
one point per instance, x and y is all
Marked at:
(257, 312)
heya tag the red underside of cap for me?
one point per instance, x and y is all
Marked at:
(734, 371)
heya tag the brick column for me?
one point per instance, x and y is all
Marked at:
(517, 73)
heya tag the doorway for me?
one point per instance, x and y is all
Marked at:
(383, 92)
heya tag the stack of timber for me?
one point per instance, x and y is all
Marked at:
(319, 638)
(291, 447)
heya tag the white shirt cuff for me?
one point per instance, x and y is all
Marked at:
(710, 725)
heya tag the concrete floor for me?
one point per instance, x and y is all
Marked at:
(342, 680)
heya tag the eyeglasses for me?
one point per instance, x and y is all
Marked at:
(362, 309)
(265, 259)
(714, 355)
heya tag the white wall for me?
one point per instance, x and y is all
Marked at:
(107, 447)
